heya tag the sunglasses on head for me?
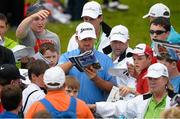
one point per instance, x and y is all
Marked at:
(158, 32)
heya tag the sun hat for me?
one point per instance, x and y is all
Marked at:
(157, 70)
(158, 10)
(119, 33)
(54, 77)
(142, 49)
(92, 9)
(85, 30)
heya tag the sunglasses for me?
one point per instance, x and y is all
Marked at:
(158, 32)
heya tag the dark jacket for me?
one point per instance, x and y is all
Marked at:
(106, 29)
(6, 56)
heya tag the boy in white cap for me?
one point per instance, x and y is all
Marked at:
(54, 79)
(161, 10)
(142, 56)
(93, 84)
(142, 106)
(92, 13)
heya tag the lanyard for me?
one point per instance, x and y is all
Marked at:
(98, 40)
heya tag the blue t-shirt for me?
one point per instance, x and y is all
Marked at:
(89, 92)
(175, 81)
(7, 114)
(173, 37)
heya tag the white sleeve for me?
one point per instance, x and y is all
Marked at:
(72, 45)
(36, 96)
(111, 109)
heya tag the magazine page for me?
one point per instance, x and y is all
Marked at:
(84, 60)
(38, 55)
(76, 64)
(166, 47)
(115, 96)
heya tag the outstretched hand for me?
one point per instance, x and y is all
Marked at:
(92, 107)
(124, 90)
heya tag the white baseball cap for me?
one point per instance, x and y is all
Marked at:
(158, 10)
(119, 33)
(54, 77)
(20, 51)
(157, 70)
(85, 30)
(92, 9)
(142, 49)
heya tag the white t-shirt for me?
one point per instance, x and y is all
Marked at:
(36, 96)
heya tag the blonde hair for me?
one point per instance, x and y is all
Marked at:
(72, 82)
(173, 113)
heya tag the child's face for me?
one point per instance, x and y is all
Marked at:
(162, 36)
(71, 91)
(52, 56)
(141, 62)
(38, 25)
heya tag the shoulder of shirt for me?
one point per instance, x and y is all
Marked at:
(51, 32)
(97, 53)
(31, 87)
(73, 52)
(81, 102)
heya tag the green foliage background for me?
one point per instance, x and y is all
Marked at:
(132, 19)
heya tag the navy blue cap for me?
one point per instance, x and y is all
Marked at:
(10, 72)
(173, 55)
(34, 8)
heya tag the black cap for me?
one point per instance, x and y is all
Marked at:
(10, 72)
(33, 9)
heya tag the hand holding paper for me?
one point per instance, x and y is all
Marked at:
(91, 72)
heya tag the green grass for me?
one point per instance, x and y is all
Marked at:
(132, 19)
